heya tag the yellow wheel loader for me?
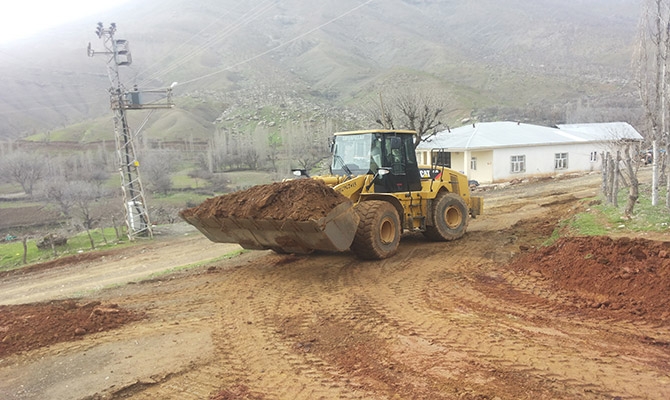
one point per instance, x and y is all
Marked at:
(384, 192)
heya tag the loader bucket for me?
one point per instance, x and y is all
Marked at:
(334, 232)
(295, 216)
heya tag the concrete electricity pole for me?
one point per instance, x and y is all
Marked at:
(134, 202)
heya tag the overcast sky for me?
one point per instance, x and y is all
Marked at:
(25, 18)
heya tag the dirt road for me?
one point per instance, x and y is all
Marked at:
(437, 321)
(178, 246)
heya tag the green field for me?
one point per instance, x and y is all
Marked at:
(11, 253)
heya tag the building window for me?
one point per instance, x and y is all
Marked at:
(594, 156)
(561, 161)
(473, 163)
(442, 158)
(518, 164)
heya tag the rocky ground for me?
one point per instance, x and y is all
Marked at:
(494, 315)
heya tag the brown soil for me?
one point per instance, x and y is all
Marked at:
(30, 326)
(623, 277)
(24, 217)
(492, 316)
(299, 200)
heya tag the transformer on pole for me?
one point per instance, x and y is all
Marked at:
(134, 202)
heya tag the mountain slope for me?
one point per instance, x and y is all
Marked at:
(295, 56)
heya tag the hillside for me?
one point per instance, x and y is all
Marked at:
(286, 60)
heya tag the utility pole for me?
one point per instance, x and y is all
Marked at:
(134, 202)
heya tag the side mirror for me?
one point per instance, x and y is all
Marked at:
(300, 173)
(380, 172)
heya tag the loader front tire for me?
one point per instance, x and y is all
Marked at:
(378, 233)
(449, 218)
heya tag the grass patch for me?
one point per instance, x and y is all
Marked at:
(19, 204)
(7, 188)
(604, 219)
(181, 180)
(588, 224)
(247, 179)
(11, 254)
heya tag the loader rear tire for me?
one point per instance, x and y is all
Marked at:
(378, 233)
(449, 218)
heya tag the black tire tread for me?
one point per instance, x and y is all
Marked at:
(433, 231)
(365, 244)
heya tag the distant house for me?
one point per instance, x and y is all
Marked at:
(497, 151)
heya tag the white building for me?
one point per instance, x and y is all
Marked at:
(498, 151)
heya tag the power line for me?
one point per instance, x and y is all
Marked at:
(249, 16)
(244, 20)
(281, 45)
(255, 11)
(181, 60)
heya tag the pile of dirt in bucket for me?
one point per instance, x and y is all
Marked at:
(299, 200)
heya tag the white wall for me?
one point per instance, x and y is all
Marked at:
(484, 171)
(495, 165)
(540, 160)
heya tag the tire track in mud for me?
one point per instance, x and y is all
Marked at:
(419, 325)
(424, 331)
(250, 349)
(508, 345)
(348, 336)
(578, 367)
(184, 310)
(301, 291)
(429, 327)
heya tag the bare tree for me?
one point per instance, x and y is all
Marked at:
(227, 150)
(416, 111)
(651, 57)
(251, 157)
(84, 196)
(23, 168)
(55, 191)
(251, 146)
(621, 172)
(613, 179)
(308, 144)
(631, 166)
(157, 167)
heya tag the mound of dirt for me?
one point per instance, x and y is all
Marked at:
(30, 326)
(299, 200)
(625, 276)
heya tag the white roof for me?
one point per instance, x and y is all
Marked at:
(489, 135)
(604, 131)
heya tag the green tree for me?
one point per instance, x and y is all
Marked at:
(274, 145)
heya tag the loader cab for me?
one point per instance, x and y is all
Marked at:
(365, 152)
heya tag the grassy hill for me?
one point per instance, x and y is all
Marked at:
(285, 60)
